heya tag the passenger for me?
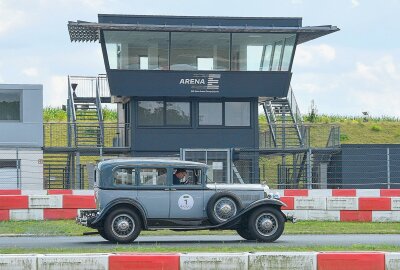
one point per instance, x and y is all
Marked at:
(178, 176)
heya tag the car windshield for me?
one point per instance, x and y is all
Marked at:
(210, 175)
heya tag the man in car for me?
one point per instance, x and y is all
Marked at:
(178, 176)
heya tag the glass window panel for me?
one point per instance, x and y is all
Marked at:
(252, 51)
(287, 52)
(150, 113)
(124, 176)
(210, 114)
(237, 113)
(187, 48)
(153, 177)
(267, 58)
(10, 106)
(205, 63)
(144, 62)
(124, 49)
(178, 113)
(186, 176)
(277, 56)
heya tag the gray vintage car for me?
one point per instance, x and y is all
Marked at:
(147, 194)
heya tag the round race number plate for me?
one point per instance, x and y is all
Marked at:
(185, 202)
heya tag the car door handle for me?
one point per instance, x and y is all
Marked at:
(173, 189)
(166, 189)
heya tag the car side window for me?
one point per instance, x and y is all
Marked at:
(124, 176)
(153, 177)
(186, 176)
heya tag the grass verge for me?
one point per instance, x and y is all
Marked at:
(186, 249)
(70, 228)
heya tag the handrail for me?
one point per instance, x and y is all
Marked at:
(99, 112)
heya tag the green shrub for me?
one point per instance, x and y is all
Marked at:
(344, 137)
(376, 128)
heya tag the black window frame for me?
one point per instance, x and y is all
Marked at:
(164, 120)
(223, 125)
(19, 93)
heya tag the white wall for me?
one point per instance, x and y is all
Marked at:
(31, 168)
(29, 131)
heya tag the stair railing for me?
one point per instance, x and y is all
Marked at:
(295, 111)
(71, 114)
(99, 112)
(271, 120)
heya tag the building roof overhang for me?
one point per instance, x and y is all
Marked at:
(81, 31)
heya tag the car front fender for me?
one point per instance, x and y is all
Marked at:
(250, 207)
(120, 201)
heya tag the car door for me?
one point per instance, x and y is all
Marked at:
(153, 191)
(186, 197)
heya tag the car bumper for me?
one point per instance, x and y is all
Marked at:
(86, 217)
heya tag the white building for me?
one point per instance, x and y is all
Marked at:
(21, 136)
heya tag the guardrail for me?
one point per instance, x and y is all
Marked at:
(115, 134)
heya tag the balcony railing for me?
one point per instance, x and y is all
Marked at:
(63, 135)
(287, 136)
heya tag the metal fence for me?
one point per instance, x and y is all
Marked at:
(21, 168)
(299, 136)
(66, 135)
(375, 166)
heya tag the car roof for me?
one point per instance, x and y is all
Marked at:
(151, 162)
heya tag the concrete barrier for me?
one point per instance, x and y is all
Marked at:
(283, 260)
(143, 261)
(175, 261)
(214, 261)
(45, 201)
(73, 262)
(341, 205)
(392, 261)
(351, 261)
(18, 261)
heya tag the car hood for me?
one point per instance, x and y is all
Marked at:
(237, 186)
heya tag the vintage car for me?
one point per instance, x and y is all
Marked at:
(148, 194)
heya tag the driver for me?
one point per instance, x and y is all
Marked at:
(178, 176)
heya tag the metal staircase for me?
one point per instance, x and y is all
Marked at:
(85, 111)
(285, 122)
(57, 170)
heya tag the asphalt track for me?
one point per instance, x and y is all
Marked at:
(198, 241)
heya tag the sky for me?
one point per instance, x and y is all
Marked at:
(348, 72)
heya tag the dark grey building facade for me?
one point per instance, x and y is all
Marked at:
(186, 82)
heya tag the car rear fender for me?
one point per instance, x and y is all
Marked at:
(120, 202)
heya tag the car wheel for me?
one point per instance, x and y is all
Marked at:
(222, 206)
(266, 224)
(122, 226)
(245, 233)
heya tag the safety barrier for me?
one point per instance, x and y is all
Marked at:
(330, 205)
(191, 261)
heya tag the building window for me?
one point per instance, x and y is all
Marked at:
(200, 51)
(164, 113)
(151, 113)
(262, 52)
(237, 114)
(128, 49)
(178, 113)
(10, 106)
(124, 176)
(210, 113)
